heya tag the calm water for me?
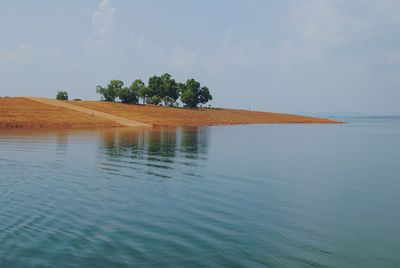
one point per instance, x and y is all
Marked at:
(239, 196)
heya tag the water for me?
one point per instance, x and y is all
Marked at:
(237, 196)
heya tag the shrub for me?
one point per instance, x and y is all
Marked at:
(62, 95)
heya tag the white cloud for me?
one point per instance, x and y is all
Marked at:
(20, 54)
(183, 58)
(388, 10)
(325, 30)
(236, 53)
(318, 23)
(103, 22)
(392, 57)
(324, 23)
(103, 18)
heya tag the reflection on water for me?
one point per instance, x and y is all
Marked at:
(241, 196)
(62, 141)
(156, 149)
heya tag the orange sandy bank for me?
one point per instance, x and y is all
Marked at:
(27, 113)
(24, 113)
(172, 117)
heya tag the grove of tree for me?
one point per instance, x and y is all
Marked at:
(159, 89)
(62, 95)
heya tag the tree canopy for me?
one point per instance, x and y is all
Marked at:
(159, 89)
(137, 89)
(62, 95)
(127, 95)
(154, 85)
(169, 90)
(112, 90)
(193, 94)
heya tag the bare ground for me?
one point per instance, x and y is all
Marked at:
(47, 113)
(25, 113)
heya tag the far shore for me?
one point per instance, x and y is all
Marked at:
(21, 112)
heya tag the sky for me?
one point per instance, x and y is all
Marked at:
(294, 56)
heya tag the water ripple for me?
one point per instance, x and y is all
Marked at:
(197, 197)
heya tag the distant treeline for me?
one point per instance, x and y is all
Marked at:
(159, 89)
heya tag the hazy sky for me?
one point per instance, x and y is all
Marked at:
(290, 56)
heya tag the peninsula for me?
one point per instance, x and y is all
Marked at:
(28, 112)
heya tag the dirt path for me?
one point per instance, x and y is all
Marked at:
(120, 120)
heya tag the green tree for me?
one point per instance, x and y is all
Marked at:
(111, 91)
(154, 100)
(62, 95)
(192, 93)
(154, 89)
(127, 95)
(139, 89)
(169, 91)
(204, 95)
(163, 88)
(144, 94)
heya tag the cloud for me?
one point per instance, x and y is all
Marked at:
(20, 54)
(103, 18)
(357, 30)
(340, 23)
(183, 58)
(392, 57)
(318, 22)
(103, 23)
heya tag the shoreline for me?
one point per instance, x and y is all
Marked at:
(42, 113)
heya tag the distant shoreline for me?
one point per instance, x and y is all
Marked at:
(31, 113)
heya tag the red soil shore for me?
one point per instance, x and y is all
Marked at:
(25, 113)
(173, 117)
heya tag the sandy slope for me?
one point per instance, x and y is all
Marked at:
(48, 113)
(166, 116)
(117, 119)
(25, 113)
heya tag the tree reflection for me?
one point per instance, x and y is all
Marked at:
(123, 142)
(62, 141)
(194, 142)
(163, 145)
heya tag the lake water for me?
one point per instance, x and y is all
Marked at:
(230, 196)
